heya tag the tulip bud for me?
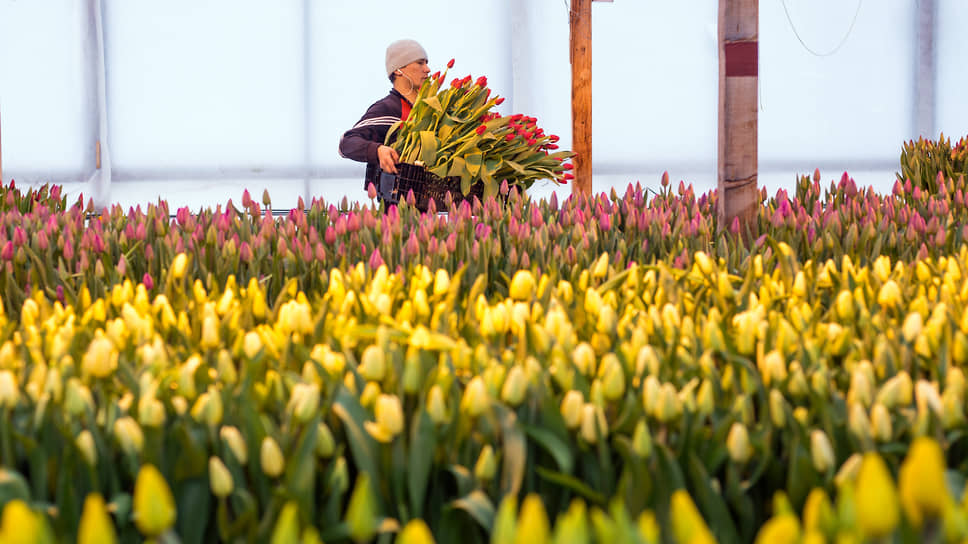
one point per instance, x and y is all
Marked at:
(436, 406)
(593, 423)
(85, 445)
(876, 501)
(613, 377)
(475, 400)
(304, 401)
(881, 423)
(774, 368)
(687, 523)
(486, 466)
(287, 524)
(859, 425)
(571, 408)
(705, 399)
(889, 294)
(235, 442)
(151, 412)
(179, 265)
(522, 285)
(251, 344)
(821, 451)
(415, 532)
(913, 324)
(361, 514)
(845, 306)
(927, 398)
(668, 408)
(921, 481)
(738, 443)
(219, 478)
(642, 440)
(101, 358)
(271, 458)
(9, 393)
(515, 386)
(373, 363)
(532, 524)
(389, 419)
(153, 503)
(778, 406)
(129, 435)
(208, 407)
(96, 526)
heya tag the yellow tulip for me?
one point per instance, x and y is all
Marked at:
(876, 503)
(235, 442)
(272, 460)
(415, 532)
(571, 408)
(220, 479)
(154, 505)
(96, 526)
(738, 443)
(532, 527)
(921, 481)
(687, 523)
(522, 285)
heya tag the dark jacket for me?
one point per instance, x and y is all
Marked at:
(361, 142)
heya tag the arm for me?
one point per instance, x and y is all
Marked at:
(364, 142)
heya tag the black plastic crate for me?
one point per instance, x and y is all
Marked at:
(425, 186)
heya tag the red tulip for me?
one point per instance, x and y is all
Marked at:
(499, 101)
(481, 81)
(480, 130)
(450, 64)
(567, 166)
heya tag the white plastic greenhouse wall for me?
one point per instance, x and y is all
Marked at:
(194, 101)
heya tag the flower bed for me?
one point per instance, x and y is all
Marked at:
(607, 368)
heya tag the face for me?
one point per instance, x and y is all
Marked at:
(417, 71)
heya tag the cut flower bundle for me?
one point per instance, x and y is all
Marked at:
(452, 131)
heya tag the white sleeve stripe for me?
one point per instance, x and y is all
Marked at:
(377, 121)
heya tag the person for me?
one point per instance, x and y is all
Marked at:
(407, 67)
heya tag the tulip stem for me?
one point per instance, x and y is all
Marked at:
(5, 444)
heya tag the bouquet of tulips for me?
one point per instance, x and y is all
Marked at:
(452, 131)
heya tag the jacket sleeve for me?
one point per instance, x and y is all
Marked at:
(361, 142)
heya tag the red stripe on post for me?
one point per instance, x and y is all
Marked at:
(742, 59)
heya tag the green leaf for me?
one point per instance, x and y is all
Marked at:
(710, 501)
(515, 450)
(479, 506)
(554, 445)
(428, 147)
(300, 470)
(474, 161)
(193, 500)
(572, 483)
(434, 103)
(423, 442)
(348, 409)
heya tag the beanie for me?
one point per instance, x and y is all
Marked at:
(402, 52)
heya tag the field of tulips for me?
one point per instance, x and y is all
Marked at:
(616, 368)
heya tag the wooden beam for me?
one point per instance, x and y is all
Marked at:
(581, 94)
(738, 77)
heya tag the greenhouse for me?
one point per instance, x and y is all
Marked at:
(592, 271)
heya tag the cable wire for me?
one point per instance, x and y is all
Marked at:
(807, 47)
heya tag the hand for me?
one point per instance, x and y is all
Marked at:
(388, 158)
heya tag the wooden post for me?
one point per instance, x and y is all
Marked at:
(738, 77)
(581, 94)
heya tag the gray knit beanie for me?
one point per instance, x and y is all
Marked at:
(401, 53)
